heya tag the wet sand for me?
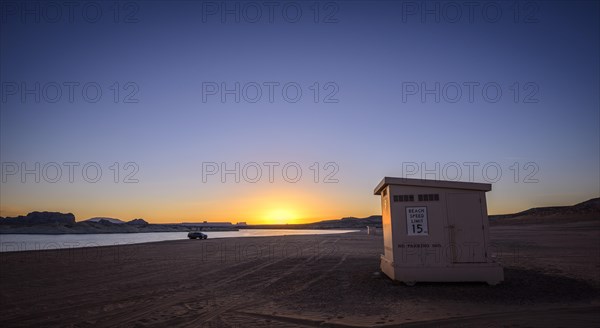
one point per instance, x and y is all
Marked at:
(552, 279)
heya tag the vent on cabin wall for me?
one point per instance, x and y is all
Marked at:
(420, 198)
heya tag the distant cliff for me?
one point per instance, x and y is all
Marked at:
(344, 223)
(60, 223)
(34, 218)
(588, 210)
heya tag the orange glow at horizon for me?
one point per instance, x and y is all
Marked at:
(281, 216)
(270, 204)
(253, 204)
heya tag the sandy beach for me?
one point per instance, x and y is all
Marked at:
(551, 280)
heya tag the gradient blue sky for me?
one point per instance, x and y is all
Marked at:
(368, 53)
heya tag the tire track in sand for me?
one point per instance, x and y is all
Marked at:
(127, 316)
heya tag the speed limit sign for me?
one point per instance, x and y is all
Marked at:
(416, 221)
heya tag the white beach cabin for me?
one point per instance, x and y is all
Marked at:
(436, 231)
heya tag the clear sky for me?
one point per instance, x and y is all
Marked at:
(364, 89)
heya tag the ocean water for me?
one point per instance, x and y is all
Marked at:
(32, 242)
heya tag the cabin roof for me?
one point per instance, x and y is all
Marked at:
(431, 183)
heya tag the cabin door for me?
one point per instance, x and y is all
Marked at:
(465, 228)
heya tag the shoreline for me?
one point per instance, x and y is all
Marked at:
(115, 229)
(133, 232)
(95, 245)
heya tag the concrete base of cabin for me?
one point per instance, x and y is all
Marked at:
(491, 273)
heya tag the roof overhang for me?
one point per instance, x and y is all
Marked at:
(431, 184)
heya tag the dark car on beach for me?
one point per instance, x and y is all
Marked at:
(196, 235)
